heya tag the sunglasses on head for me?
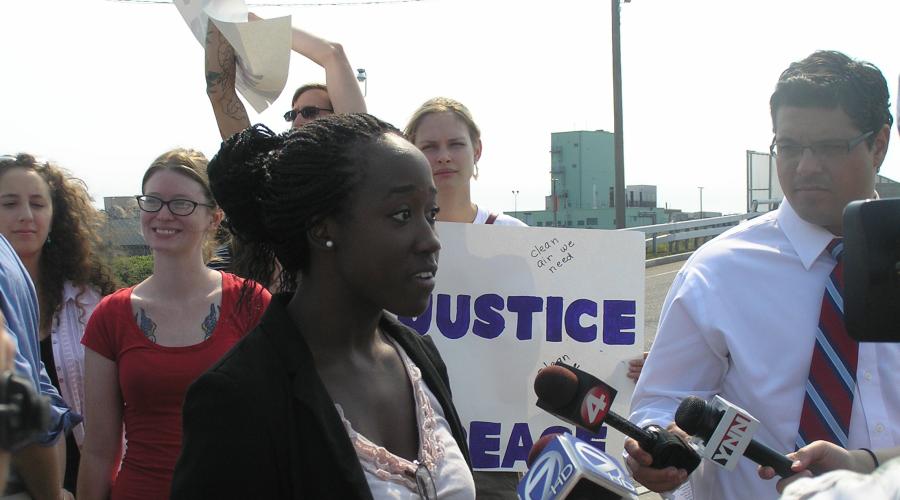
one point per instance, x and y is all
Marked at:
(308, 112)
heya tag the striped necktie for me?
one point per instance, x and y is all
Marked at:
(832, 372)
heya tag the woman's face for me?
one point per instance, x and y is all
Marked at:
(26, 211)
(445, 141)
(177, 234)
(385, 245)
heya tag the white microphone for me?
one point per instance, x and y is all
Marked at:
(569, 468)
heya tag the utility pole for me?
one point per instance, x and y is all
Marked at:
(515, 201)
(701, 200)
(617, 116)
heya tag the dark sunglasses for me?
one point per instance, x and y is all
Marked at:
(308, 112)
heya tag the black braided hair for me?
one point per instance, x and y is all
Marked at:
(276, 187)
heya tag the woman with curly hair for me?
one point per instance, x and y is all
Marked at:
(48, 218)
(144, 345)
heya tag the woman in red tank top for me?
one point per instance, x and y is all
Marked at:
(146, 344)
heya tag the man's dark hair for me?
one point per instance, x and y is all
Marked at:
(829, 79)
(308, 86)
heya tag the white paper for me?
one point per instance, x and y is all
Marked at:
(263, 48)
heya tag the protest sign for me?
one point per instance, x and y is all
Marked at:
(509, 301)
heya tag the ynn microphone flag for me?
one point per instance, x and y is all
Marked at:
(727, 431)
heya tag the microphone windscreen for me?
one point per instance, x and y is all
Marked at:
(539, 446)
(556, 386)
(690, 414)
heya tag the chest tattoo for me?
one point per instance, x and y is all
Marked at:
(209, 324)
(147, 326)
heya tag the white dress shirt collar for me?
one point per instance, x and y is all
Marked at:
(809, 240)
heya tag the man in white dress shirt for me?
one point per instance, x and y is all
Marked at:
(741, 317)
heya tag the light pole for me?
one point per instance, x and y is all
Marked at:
(617, 116)
(701, 200)
(515, 201)
(363, 78)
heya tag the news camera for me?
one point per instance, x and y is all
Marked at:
(23, 412)
(872, 270)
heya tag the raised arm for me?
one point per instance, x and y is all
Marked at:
(343, 90)
(231, 116)
(102, 447)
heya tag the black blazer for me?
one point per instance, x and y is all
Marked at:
(260, 423)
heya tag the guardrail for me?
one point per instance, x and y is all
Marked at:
(675, 232)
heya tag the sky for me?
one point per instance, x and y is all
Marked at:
(102, 87)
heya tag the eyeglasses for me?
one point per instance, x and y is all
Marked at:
(424, 482)
(825, 150)
(153, 204)
(308, 112)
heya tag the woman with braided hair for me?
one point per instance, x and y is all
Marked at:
(47, 216)
(330, 396)
(145, 345)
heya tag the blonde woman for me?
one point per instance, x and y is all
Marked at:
(146, 344)
(444, 130)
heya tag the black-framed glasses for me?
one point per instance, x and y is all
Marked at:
(825, 150)
(308, 112)
(152, 204)
(424, 482)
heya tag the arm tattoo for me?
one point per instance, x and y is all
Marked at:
(209, 324)
(213, 79)
(220, 78)
(146, 325)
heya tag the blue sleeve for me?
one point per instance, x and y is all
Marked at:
(20, 310)
(62, 418)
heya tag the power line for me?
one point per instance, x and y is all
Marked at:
(288, 4)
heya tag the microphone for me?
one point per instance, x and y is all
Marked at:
(727, 431)
(561, 466)
(539, 446)
(584, 400)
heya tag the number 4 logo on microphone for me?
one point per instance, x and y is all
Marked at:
(595, 405)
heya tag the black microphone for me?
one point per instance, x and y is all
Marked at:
(725, 437)
(584, 400)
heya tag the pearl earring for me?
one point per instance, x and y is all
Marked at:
(329, 243)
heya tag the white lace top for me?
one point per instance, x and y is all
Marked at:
(391, 476)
